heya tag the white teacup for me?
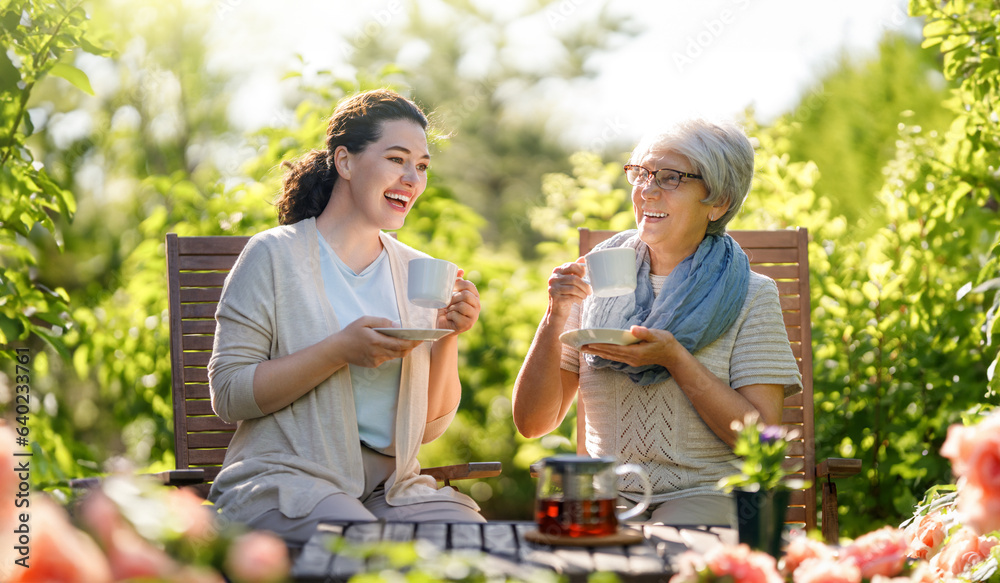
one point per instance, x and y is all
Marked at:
(431, 282)
(611, 272)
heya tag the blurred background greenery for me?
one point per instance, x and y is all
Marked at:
(890, 161)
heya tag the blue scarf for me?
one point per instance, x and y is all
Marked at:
(700, 300)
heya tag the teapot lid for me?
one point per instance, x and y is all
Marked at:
(578, 463)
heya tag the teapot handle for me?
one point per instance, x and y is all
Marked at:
(647, 489)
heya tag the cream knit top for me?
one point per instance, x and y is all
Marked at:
(658, 428)
(273, 304)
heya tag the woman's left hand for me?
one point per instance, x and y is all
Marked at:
(463, 311)
(654, 347)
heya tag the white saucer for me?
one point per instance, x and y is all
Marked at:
(577, 338)
(415, 333)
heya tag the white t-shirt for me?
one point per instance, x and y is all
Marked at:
(369, 293)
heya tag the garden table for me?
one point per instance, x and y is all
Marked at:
(500, 548)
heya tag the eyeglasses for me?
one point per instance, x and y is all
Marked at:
(666, 178)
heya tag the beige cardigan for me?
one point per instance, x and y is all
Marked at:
(273, 304)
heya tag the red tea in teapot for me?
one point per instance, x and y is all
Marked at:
(556, 517)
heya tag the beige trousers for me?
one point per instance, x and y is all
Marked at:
(369, 508)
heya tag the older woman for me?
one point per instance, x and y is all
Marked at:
(712, 344)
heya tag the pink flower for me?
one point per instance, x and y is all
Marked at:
(980, 508)
(199, 518)
(744, 565)
(963, 550)
(962, 444)
(130, 555)
(689, 564)
(257, 557)
(801, 548)
(59, 553)
(826, 571)
(880, 552)
(923, 537)
(974, 452)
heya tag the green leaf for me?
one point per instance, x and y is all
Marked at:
(73, 75)
(9, 75)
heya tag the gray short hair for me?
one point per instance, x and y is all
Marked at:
(720, 152)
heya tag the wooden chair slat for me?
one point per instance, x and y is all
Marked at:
(199, 407)
(209, 440)
(207, 262)
(201, 294)
(206, 311)
(196, 391)
(194, 375)
(776, 255)
(202, 278)
(198, 327)
(225, 245)
(197, 358)
(197, 342)
(207, 456)
(208, 423)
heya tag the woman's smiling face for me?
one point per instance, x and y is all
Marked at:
(388, 176)
(671, 220)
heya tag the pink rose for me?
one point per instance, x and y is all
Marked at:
(961, 551)
(826, 571)
(689, 563)
(980, 508)
(257, 557)
(59, 552)
(130, 555)
(744, 565)
(801, 548)
(880, 552)
(962, 444)
(199, 518)
(925, 536)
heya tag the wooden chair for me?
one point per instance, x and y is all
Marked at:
(196, 270)
(783, 256)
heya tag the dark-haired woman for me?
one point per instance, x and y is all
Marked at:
(331, 413)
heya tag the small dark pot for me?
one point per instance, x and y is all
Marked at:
(760, 517)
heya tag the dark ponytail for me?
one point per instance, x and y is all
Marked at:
(356, 123)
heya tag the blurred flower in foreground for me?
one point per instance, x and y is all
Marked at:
(738, 564)
(974, 451)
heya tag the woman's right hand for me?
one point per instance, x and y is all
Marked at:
(365, 347)
(567, 287)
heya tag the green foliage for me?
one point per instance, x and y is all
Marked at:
(39, 40)
(847, 123)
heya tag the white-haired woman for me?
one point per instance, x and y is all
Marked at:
(712, 344)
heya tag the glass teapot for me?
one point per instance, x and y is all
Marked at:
(577, 495)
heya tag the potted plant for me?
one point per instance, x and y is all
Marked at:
(762, 485)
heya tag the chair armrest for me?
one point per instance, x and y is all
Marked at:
(838, 467)
(185, 477)
(463, 471)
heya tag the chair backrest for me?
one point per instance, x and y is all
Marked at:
(784, 257)
(196, 269)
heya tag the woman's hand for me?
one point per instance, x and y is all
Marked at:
(567, 287)
(463, 311)
(365, 347)
(654, 347)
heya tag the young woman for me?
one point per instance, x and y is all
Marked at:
(330, 412)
